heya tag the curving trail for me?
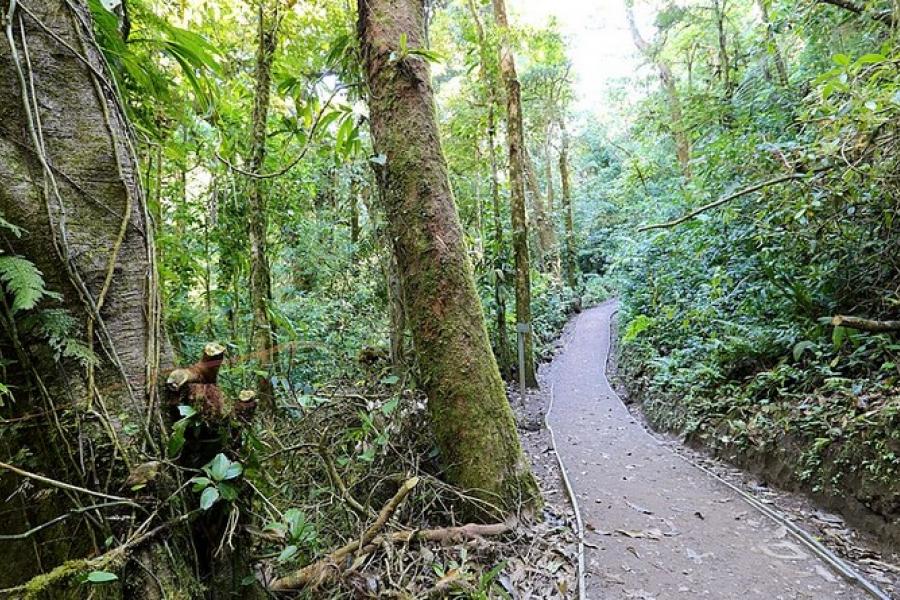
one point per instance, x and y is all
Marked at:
(658, 528)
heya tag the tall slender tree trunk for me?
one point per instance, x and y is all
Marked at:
(354, 211)
(546, 233)
(69, 179)
(772, 44)
(504, 356)
(667, 80)
(470, 415)
(719, 7)
(262, 338)
(501, 345)
(548, 168)
(515, 138)
(571, 265)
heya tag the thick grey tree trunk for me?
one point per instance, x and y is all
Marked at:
(69, 179)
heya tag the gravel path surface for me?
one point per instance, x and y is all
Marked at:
(657, 528)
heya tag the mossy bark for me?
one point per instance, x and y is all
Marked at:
(547, 250)
(470, 415)
(69, 179)
(515, 139)
(262, 337)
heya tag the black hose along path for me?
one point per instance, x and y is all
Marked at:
(656, 526)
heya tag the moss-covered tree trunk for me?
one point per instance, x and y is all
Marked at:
(69, 180)
(515, 139)
(470, 415)
(262, 338)
(571, 266)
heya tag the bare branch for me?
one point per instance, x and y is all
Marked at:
(886, 17)
(729, 198)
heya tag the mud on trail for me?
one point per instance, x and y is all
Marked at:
(656, 526)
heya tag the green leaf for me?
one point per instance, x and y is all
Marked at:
(23, 281)
(842, 60)
(234, 470)
(869, 59)
(176, 440)
(209, 497)
(101, 577)
(218, 467)
(228, 491)
(801, 347)
(838, 336)
(200, 483)
(186, 411)
(288, 553)
(390, 406)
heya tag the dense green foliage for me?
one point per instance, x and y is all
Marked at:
(727, 317)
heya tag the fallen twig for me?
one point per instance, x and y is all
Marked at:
(320, 571)
(865, 324)
(66, 486)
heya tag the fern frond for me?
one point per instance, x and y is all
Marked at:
(14, 229)
(58, 326)
(23, 281)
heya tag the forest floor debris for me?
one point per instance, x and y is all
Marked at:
(362, 534)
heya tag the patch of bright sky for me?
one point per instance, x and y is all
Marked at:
(599, 44)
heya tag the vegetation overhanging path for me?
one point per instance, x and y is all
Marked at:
(657, 525)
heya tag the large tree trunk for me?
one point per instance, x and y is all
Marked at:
(470, 415)
(515, 138)
(667, 79)
(262, 338)
(68, 178)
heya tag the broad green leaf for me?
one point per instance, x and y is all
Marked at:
(218, 467)
(288, 553)
(209, 497)
(101, 577)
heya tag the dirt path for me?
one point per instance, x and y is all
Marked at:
(657, 528)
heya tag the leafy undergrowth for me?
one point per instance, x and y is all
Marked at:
(329, 464)
(818, 407)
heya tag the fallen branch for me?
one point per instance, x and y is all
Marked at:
(865, 324)
(66, 486)
(318, 571)
(338, 482)
(729, 198)
(321, 571)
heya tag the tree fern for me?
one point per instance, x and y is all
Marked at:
(23, 281)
